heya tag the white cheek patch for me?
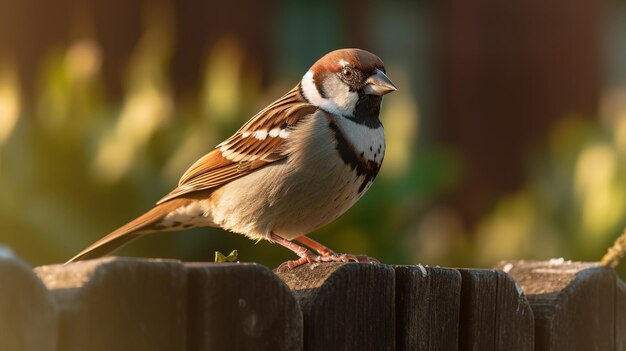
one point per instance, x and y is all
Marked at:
(344, 99)
(341, 102)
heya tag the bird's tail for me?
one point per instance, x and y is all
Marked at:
(143, 224)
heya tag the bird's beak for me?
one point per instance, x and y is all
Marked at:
(378, 84)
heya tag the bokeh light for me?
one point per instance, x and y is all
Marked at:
(505, 140)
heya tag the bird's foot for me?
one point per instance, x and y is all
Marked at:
(325, 254)
(334, 257)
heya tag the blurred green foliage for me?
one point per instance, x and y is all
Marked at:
(75, 164)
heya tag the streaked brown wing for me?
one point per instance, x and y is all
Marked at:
(255, 145)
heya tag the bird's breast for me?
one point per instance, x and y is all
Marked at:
(359, 146)
(325, 173)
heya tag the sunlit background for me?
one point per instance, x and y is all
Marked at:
(506, 137)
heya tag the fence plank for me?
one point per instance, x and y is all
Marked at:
(494, 313)
(620, 315)
(574, 303)
(28, 319)
(427, 308)
(514, 316)
(346, 306)
(236, 306)
(119, 304)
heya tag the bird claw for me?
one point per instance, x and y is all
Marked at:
(366, 259)
(334, 257)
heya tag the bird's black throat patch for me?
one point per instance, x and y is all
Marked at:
(367, 110)
(363, 167)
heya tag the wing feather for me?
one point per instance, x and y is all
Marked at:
(246, 151)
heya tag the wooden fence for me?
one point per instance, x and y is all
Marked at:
(133, 304)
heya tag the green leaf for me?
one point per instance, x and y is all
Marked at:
(220, 257)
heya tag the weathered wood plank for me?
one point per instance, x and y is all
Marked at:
(574, 303)
(620, 314)
(427, 308)
(239, 306)
(346, 306)
(477, 315)
(514, 317)
(494, 313)
(119, 304)
(28, 319)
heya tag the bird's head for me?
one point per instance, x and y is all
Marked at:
(344, 79)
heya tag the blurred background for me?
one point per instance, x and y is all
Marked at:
(506, 137)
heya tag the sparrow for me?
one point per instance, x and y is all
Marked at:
(294, 167)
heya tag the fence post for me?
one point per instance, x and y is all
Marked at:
(346, 306)
(577, 305)
(119, 304)
(240, 306)
(494, 313)
(28, 319)
(427, 308)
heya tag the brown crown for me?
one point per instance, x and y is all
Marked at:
(359, 59)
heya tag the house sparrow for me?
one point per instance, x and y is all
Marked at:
(294, 167)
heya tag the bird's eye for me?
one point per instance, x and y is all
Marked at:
(347, 73)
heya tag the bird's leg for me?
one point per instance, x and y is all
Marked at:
(305, 255)
(326, 254)
(318, 247)
(330, 255)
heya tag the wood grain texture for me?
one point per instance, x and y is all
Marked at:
(346, 306)
(494, 313)
(574, 303)
(427, 308)
(119, 304)
(240, 306)
(515, 321)
(620, 315)
(28, 319)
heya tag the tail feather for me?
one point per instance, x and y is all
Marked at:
(129, 232)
